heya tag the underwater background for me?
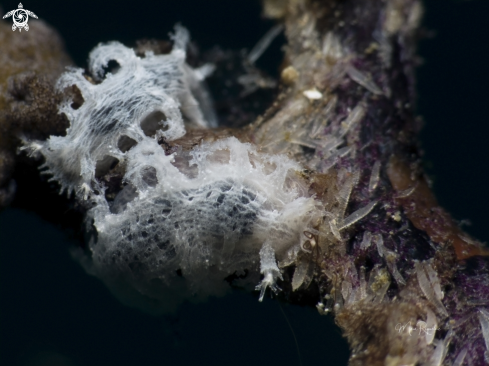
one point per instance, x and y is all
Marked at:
(53, 313)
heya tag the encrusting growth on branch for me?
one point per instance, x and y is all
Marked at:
(397, 257)
(322, 199)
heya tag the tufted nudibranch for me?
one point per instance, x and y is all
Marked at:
(183, 219)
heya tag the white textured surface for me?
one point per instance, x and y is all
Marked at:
(182, 223)
(116, 107)
(209, 226)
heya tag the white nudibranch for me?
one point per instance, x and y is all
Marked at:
(175, 231)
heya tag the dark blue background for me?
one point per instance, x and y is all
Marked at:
(52, 313)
